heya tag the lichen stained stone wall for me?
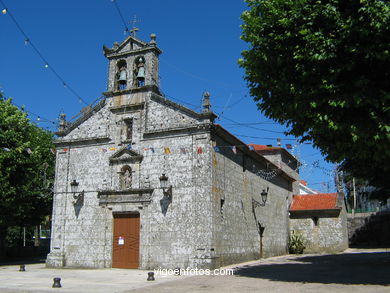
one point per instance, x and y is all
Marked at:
(235, 182)
(174, 229)
(80, 230)
(327, 236)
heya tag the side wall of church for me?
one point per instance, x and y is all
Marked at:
(236, 181)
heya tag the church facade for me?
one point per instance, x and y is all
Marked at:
(143, 182)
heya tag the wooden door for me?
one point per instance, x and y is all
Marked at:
(125, 250)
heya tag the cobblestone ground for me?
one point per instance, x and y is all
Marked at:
(352, 271)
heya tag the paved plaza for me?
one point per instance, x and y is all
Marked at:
(352, 271)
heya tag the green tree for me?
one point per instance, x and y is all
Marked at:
(322, 68)
(26, 170)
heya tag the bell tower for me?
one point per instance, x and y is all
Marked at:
(133, 65)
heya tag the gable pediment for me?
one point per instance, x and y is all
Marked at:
(125, 154)
(130, 44)
(136, 44)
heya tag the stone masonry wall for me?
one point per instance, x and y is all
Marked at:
(329, 235)
(171, 235)
(174, 237)
(195, 229)
(80, 231)
(151, 69)
(236, 237)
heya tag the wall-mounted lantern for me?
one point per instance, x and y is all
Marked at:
(73, 187)
(264, 195)
(167, 189)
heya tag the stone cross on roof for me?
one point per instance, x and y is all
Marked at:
(134, 29)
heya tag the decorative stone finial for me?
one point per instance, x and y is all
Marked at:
(206, 103)
(62, 124)
(153, 39)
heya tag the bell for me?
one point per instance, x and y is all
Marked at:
(122, 76)
(141, 72)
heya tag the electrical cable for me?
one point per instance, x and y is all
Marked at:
(268, 138)
(121, 15)
(248, 126)
(47, 65)
(39, 117)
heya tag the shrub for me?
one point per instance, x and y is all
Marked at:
(296, 243)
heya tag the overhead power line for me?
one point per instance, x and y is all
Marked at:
(27, 41)
(251, 123)
(259, 137)
(121, 16)
(248, 125)
(39, 117)
(252, 127)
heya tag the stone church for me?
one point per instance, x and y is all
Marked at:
(143, 182)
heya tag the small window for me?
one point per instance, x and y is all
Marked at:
(315, 221)
(222, 203)
(128, 129)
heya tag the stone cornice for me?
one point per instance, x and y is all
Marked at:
(141, 195)
(125, 191)
(315, 213)
(82, 141)
(192, 113)
(127, 108)
(200, 128)
(233, 140)
(126, 160)
(146, 88)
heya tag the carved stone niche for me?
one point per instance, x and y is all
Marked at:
(125, 178)
(126, 161)
(127, 164)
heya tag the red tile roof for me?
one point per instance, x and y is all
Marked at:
(260, 147)
(320, 201)
(304, 182)
(264, 150)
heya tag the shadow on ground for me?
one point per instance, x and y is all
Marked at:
(347, 268)
(25, 260)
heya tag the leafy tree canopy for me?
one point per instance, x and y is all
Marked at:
(323, 69)
(26, 169)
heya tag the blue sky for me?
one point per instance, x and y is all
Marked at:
(200, 41)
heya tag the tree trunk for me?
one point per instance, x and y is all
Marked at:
(2, 243)
(36, 236)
